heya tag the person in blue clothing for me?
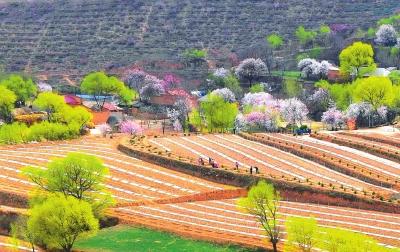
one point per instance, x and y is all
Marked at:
(237, 165)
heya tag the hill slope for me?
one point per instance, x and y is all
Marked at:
(76, 37)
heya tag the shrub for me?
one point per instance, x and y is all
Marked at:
(53, 131)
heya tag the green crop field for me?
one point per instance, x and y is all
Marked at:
(125, 238)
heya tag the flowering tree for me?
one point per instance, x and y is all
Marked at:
(382, 112)
(333, 117)
(320, 100)
(358, 109)
(177, 126)
(221, 73)
(386, 35)
(130, 127)
(398, 43)
(308, 66)
(249, 69)
(105, 128)
(257, 99)
(321, 69)
(134, 79)
(180, 111)
(44, 87)
(239, 122)
(225, 93)
(171, 82)
(267, 119)
(153, 87)
(293, 111)
(254, 118)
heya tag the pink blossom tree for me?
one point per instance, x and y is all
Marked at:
(333, 117)
(250, 69)
(170, 82)
(104, 129)
(294, 111)
(130, 127)
(260, 99)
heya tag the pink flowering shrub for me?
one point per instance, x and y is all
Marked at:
(44, 87)
(130, 127)
(105, 128)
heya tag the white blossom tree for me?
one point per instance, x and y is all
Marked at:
(225, 93)
(134, 79)
(153, 87)
(386, 35)
(221, 73)
(293, 110)
(307, 66)
(44, 87)
(239, 122)
(250, 69)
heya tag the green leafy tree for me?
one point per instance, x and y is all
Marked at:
(195, 55)
(275, 41)
(324, 30)
(50, 102)
(126, 96)
(371, 32)
(262, 202)
(304, 36)
(292, 87)
(79, 175)
(78, 115)
(257, 88)
(303, 234)
(218, 112)
(23, 89)
(100, 86)
(232, 83)
(375, 90)
(356, 56)
(60, 220)
(7, 101)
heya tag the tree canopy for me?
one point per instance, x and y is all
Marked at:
(377, 91)
(100, 85)
(23, 89)
(218, 112)
(7, 101)
(356, 56)
(274, 40)
(250, 69)
(59, 220)
(51, 103)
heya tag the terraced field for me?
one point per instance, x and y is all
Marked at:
(227, 149)
(134, 181)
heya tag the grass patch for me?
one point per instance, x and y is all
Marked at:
(125, 238)
(287, 73)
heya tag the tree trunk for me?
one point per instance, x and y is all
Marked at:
(274, 246)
